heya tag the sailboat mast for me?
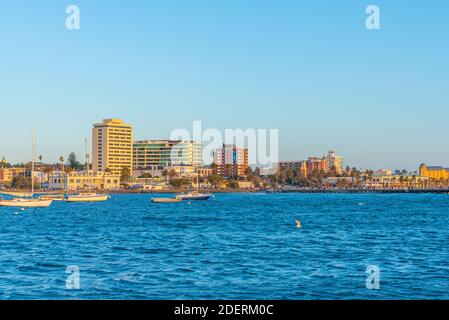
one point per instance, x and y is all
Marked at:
(196, 168)
(87, 156)
(32, 162)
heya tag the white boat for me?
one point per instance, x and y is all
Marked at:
(87, 197)
(27, 202)
(54, 197)
(18, 194)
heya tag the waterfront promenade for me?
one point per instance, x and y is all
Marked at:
(280, 190)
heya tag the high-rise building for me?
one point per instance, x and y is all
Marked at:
(156, 155)
(112, 146)
(231, 161)
(334, 160)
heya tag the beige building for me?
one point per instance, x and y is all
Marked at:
(333, 160)
(112, 146)
(397, 181)
(84, 180)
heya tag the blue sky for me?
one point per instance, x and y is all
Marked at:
(308, 68)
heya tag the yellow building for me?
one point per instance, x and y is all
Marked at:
(112, 146)
(85, 180)
(7, 174)
(434, 172)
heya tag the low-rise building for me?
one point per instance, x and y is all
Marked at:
(7, 174)
(84, 180)
(396, 181)
(248, 185)
(434, 172)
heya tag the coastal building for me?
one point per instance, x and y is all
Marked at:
(336, 181)
(231, 161)
(205, 172)
(8, 174)
(334, 161)
(383, 172)
(396, 182)
(112, 146)
(317, 165)
(290, 165)
(165, 153)
(298, 167)
(84, 180)
(434, 172)
(155, 156)
(305, 168)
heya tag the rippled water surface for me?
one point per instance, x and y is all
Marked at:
(235, 246)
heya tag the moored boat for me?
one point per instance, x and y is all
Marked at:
(26, 200)
(166, 200)
(87, 197)
(26, 203)
(194, 195)
(54, 197)
(17, 194)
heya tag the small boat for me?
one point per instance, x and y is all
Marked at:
(18, 194)
(166, 200)
(54, 197)
(26, 203)
(26, 200)
(87, 197)
(194, 195)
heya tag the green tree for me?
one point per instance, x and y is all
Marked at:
(125, 174)
(165, 174)
(73, 163)
(179, 182)
(215, 180)
(233, 184)
(172, 174)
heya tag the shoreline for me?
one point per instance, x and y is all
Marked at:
(306, 191)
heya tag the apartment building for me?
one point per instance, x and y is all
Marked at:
(112, 146)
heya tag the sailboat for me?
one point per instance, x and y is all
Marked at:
(29, 202)
(194, 195)
(89, 196)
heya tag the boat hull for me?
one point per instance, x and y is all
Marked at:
(194, 198)
(98, 198)
(25, 203)
(165, 200)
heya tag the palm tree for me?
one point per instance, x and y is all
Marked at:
(165, 174)
(61, 160)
